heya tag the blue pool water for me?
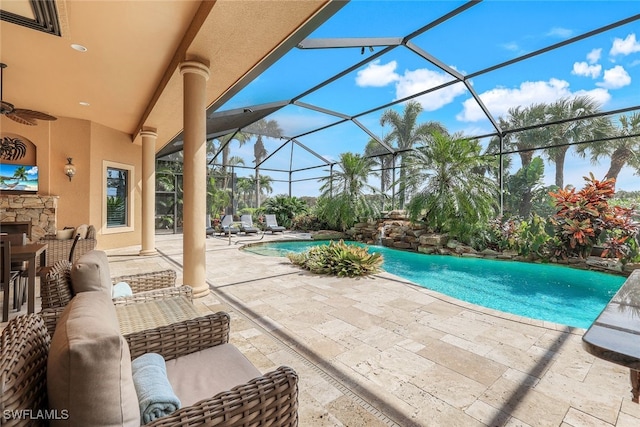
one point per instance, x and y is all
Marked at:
(540, 291)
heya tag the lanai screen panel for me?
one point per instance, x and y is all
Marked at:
(487, 57)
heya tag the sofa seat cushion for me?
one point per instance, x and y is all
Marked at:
(89, 366)
(205, 373)
(91, 273)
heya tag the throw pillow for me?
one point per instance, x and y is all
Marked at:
(65, 234)
(91, 273)
(82, 231)
(89, 371)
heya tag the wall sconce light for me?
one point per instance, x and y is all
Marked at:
(69, 169)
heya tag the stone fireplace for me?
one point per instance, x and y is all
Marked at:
(18, 211)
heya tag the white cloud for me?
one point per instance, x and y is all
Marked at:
(422, 79)
(511, 46)
(500, 99)
(584, 69)
(599, 95)
(625, 47)
(377, 75)
(32, 171)
(594, 56)
(560, 32)
(615, 78)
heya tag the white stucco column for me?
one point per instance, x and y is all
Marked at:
(195, 75)
(149, 137)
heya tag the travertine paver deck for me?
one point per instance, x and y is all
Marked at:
(379, 351)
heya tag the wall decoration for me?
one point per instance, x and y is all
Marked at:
(12, 148)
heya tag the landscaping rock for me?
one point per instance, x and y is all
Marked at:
(489, 252)
(427, 249)
(402, 245)
(613, 264)
(432, 239)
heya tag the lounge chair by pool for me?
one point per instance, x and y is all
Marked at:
(226, 225)
(272, 224)
(246, 224)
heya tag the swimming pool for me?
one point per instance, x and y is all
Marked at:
(548, 292)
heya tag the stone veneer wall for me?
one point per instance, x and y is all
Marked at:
(41, 211)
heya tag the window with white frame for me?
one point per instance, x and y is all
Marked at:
(118, 197)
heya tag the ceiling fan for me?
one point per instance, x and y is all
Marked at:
(20, 115)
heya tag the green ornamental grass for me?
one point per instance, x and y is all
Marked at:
(338, 259)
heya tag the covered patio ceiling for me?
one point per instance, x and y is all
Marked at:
(315, 108)
(127, 76)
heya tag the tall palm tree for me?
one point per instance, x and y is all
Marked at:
(20, 174)
(406, 132)
(383, 159)
(263, 185)
(262, 128)
(562, 134)
(523, 142)
(622, 151)
(245, 187)
(344, 192)
(450, 196)
(225, 142)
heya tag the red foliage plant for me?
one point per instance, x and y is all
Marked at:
(585, 218)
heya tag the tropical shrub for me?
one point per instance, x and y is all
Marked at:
(338, 259)
(284, 208)
(453, 193)
(529, 238)
(345, 193)
(584, 218)
(308, 222)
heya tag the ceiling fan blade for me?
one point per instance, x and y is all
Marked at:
(22, 120)
(31, 114)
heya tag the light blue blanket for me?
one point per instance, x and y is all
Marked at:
(155, 394)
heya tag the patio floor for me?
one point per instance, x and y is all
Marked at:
(382, 352)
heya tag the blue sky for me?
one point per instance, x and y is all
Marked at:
(605, 66)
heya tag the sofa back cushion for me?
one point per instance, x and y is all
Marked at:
(91, 273)
(89, 366)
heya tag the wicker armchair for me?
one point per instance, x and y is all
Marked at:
(56, 292)
(270, 399)
(56, 289)
(58, 250)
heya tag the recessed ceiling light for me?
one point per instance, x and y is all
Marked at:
(79, 47)
(84, 103)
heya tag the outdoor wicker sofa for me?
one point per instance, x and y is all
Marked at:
(59, 249)
(67, 381)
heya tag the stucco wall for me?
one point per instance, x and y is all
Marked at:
(89, 144)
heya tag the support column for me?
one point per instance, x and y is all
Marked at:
(149, 137)
(195, 75)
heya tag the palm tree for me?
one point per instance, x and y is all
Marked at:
(225, 142)
(20, 174)
(565, 133)
(622, 151)
(263, 185)
(407, 133)
(270, 129)
(344, 192)
(383, 159)
(523, 142)
(245, 189)
(450, 196)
